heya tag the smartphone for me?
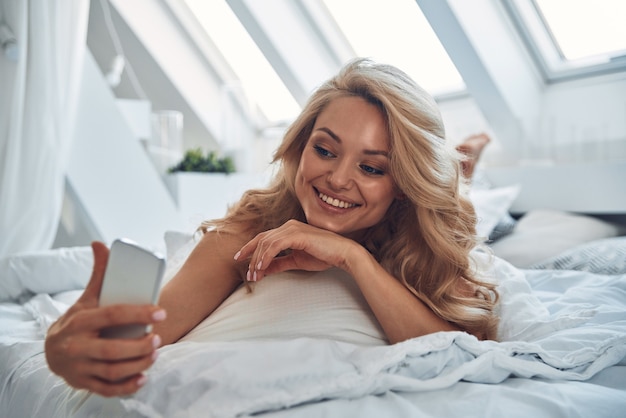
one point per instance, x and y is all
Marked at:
(133, 276)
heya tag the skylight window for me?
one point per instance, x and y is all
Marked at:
(586, 28)
(259, 80)
(396, 32)
(573, 38)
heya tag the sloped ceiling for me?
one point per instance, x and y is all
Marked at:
(520, 110)
(160, 89)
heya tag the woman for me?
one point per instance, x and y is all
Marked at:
(366, 184)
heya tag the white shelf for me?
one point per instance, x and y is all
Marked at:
(593, 188)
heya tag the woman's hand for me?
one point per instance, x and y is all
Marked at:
(109, 367)
(311, 249)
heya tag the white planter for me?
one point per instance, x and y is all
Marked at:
(201, 196)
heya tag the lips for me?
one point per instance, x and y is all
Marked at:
(336, 202)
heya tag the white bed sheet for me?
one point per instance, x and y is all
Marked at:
(575, 370)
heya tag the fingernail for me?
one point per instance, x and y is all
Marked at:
(159, 315)
(248, 276)
(258, 266)
(155, 355)
(156, 341)
(254, 277)
(237, 255)
(142, 380)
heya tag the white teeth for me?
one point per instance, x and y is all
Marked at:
(335, 202)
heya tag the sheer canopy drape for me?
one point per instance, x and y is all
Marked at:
(37, 107)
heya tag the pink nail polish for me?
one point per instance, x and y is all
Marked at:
(258, 266)
(254, 277)
(142, 380)
(159, 315)
(156, 341)
(248, 278)
(237, 255)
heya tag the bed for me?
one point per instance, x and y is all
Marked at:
(561, 351)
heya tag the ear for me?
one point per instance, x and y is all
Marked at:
(399, 195)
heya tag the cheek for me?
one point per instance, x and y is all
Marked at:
(301, 172)
(307, 169)
(382, 195)
(300, 179)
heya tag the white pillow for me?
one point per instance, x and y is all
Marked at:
(174, 241)
(47, 271)
(492, 205)
(178, 247)
(294, 304)
(545, 233)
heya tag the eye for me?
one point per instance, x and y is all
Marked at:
(323, 152)
(371, 170)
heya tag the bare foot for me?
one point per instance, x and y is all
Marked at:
(472, 148)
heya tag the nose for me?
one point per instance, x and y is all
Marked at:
(340, 175)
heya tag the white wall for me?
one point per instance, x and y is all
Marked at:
(584, 120)
(111, 174)
(581, 121)
(576, 159)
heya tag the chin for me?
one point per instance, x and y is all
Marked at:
(338, 229)
(328, 226)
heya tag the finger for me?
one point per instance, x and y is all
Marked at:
(100, 259)
(257, 244)
(278, 265)
(111, 389)
(246, 251)
(249, 252)
(115, 350)
(118, 368)
(273, 242)
(88, 347)
(119, 371)
(93, 320)
(261, 257)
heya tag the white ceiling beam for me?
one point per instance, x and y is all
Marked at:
(302, 53)
(183, 53)
(497, 71)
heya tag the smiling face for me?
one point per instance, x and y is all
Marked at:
(342, 181)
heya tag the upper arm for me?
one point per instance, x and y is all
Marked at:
(208, 276)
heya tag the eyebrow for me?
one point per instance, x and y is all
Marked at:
(335, 137)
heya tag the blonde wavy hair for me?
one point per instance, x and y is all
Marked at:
(425, 239)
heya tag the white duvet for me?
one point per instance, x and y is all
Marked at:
(567, 351)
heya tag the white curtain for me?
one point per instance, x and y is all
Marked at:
(38, 95)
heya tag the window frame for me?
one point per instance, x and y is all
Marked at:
(536, 35)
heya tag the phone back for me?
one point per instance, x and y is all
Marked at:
(133, 276)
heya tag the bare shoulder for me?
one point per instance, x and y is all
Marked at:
(224, 243)
(217, 249)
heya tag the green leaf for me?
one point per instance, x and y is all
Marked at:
(195, 161)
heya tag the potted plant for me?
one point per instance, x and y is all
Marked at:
(204, 185)
(195, 161)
